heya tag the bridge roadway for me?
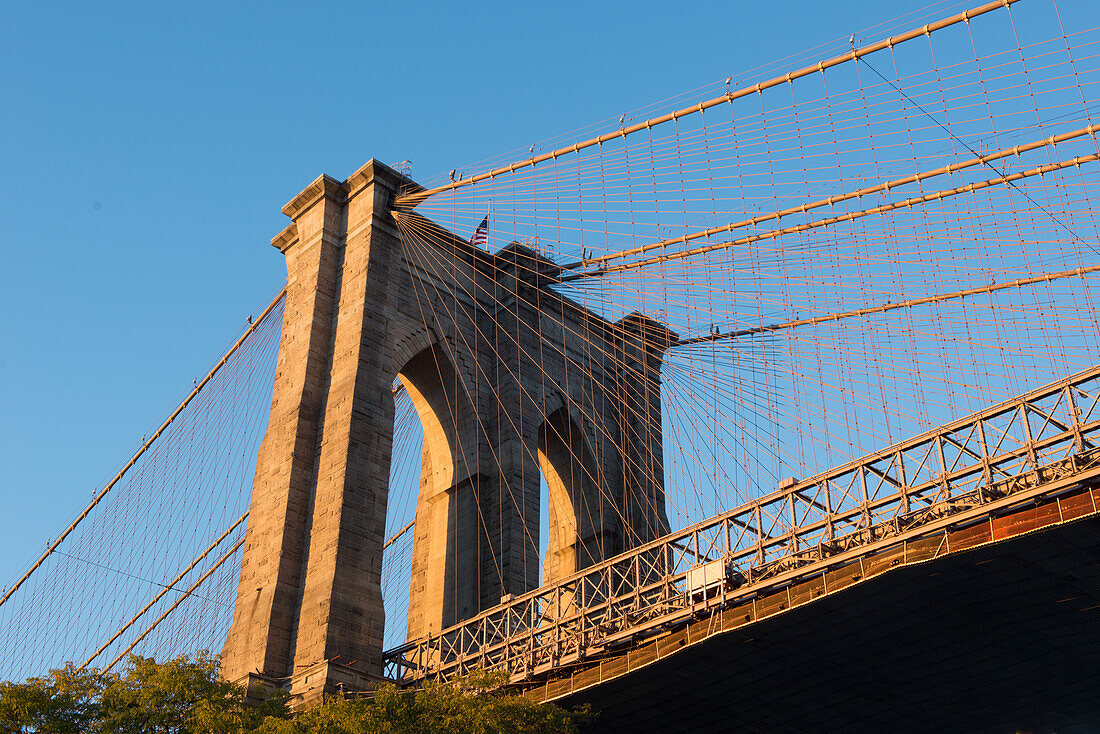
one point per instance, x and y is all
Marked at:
(948, 582)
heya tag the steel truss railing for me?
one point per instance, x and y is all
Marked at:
(947, 474)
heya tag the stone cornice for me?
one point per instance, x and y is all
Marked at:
(324, 186)
(361, 179)
(285, 239)
(653, 332)
(375, 168)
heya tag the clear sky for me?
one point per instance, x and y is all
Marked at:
(147, 150)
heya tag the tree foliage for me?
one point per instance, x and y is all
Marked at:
(63, 702)
(185, 696)
(473, 705)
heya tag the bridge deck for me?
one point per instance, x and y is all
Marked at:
(1004, 636)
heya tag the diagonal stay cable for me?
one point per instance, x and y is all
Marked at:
(171, 586)
(185, 595)
(984, 160)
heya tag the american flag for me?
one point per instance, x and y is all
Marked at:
(481, 234)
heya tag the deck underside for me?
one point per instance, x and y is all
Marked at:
(1004, 637)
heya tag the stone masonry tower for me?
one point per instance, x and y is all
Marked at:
(512, 382)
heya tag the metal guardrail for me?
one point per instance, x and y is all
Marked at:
(1010, 448)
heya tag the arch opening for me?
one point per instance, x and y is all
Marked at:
(581, 527)
(405, 466)
(443, 577)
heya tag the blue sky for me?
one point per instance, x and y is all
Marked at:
(148, 149)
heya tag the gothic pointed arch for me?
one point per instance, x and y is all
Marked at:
(445, 541)
(582, 523)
